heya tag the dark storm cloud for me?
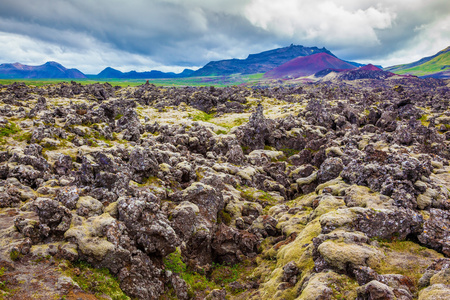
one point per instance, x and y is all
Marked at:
(172, 34)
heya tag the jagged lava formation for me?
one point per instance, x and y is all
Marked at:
(313, 191)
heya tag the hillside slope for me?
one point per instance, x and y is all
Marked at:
(437, 66)
(308, 65)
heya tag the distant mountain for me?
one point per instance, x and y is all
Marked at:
(308, 65)
(48, 70)
(258, 63)
(109, 73)
(113, 73)
(437, 66)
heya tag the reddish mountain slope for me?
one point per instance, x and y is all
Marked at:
(370, 67)
(308, 65)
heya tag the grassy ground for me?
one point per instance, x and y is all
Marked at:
(437, 64)
(188, 81)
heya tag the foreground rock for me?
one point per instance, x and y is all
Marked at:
(319, 191)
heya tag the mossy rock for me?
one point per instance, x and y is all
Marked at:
(435, 292)
(362, 196)
(340, 255)
(329, 285)
(327, 203)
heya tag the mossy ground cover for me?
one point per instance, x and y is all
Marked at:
(9, 129)
(201, 283)
(97, 281)
(437, 64)
(4, 289)
(406, 258)
(202, 116)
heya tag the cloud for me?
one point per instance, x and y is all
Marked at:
(174, 34)
(89, 59)
(319, 21)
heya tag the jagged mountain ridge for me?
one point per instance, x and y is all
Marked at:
(113, 73)
(50, 69)
(258, 63)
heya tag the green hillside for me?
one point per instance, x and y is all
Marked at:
(438, 63)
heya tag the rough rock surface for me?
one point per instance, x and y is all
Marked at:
(325, 190)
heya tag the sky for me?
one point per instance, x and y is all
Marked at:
(170, 35)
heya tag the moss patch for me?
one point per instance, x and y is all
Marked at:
(97, 281)
(218, 277)
(406, 258)
(202, 116)
(9, 129)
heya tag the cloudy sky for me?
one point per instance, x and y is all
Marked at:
(171, 35)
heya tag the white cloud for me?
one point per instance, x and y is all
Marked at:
(428, 40)
(320, 21)
(91, 60)
(173, 34)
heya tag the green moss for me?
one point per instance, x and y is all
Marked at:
(406, 258)
(15, 255)
(342, 287)
(151, 180)
(221, 132)
(9, 129)
(174, 263)
(199, 173)
(254, 195)
(97, 281)
(233, 123)
(202, 116)
(423, 119)
(26, 136)
(199, 284)
(224, 217)
(289, 152)
(224, 274)
(101, 137)
(245, 149)
(92, 142)
(4, 289)
(312, 150)
(118, 116)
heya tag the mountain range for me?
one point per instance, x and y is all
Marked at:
(258, 63)
(288, 62)
(113, 73)
(50, 69)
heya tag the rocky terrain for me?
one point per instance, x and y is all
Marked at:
(331, 190)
